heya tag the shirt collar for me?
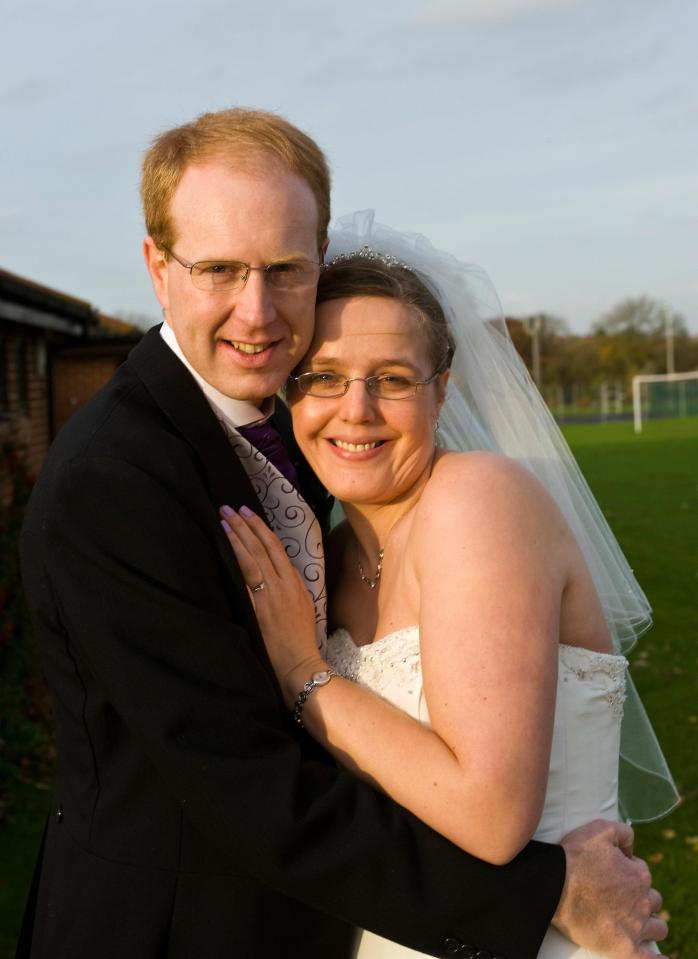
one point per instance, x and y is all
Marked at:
(236, 412)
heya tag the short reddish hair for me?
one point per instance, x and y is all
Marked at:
(243, 136)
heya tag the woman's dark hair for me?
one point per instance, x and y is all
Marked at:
(361, 275)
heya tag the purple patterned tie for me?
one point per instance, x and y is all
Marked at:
(266, 438)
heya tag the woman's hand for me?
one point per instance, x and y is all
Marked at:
(284, 607)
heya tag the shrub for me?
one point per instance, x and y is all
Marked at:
(25, 738)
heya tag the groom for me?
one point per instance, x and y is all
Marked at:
(191, 817)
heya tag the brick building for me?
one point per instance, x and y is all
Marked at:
(55, 352)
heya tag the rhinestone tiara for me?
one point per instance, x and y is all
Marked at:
(366, 253)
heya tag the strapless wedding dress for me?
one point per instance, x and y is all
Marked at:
(583, 776)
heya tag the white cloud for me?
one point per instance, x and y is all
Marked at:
(475, 12)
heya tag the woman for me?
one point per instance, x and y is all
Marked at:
(481, 602)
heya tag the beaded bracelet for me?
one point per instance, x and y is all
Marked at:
(317, 679)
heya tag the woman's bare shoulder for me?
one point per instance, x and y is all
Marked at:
(470, 480)
(489, 501)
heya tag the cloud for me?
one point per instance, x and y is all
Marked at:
(484, 12)
(11, 218)
(26, 91)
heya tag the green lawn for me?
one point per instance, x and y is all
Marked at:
(648, 488)
(18, 847)
(647, 485)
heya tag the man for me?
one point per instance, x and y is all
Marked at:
(191, 817)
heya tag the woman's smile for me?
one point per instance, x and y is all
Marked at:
(366, 447)
(357, 450)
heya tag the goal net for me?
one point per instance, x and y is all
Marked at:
(664, 394)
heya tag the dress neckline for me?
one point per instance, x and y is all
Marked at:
(381, 641)
(581, 651)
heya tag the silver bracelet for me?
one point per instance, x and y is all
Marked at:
(317, 679)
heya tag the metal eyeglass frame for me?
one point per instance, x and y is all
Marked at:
(368, 381)
(248, 269)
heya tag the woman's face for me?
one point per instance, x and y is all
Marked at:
(363, 448)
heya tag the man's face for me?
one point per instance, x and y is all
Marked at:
(243, 342)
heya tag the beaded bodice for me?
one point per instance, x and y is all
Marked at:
(386, 666)
(583, 772)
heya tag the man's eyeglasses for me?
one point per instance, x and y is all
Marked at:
(223, 276)
(386, 386)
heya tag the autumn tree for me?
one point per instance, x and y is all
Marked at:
(550, 331)
(631, 339)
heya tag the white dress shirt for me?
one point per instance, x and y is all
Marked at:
(288, 514)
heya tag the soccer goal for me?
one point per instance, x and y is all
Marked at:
(664, 394)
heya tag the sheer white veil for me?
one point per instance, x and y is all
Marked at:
(493, 404)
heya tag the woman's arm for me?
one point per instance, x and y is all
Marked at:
(493, 558)
(491, 563)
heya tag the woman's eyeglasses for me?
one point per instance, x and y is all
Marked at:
(386, 386)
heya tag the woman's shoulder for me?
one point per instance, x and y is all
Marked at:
(483, 490)
(481, 473)
(473, 461)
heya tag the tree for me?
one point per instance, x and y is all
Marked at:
(633, 338)
(549, 330)
(640, 316)
(629, 339)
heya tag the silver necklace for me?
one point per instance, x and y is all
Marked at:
(379, 569)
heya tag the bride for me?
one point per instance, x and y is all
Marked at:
(479, 602)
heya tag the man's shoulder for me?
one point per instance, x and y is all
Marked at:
(126, 410)
(121, 436)
(119, 409)
(126, 419)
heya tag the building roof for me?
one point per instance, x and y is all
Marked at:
(30, 303)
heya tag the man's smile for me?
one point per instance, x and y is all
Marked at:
(248, 347)
(250, 355)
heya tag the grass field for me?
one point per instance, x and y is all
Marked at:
(18, 849)
(647, 486)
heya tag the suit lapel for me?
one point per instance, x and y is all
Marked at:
(178, 395)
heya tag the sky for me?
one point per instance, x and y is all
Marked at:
(552, 142)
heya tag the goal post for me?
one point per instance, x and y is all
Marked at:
(683, 401)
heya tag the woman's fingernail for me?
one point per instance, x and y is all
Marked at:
(228, 510)
(225, 526)
(246, 511)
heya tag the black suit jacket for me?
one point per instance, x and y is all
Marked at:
(191, 818)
